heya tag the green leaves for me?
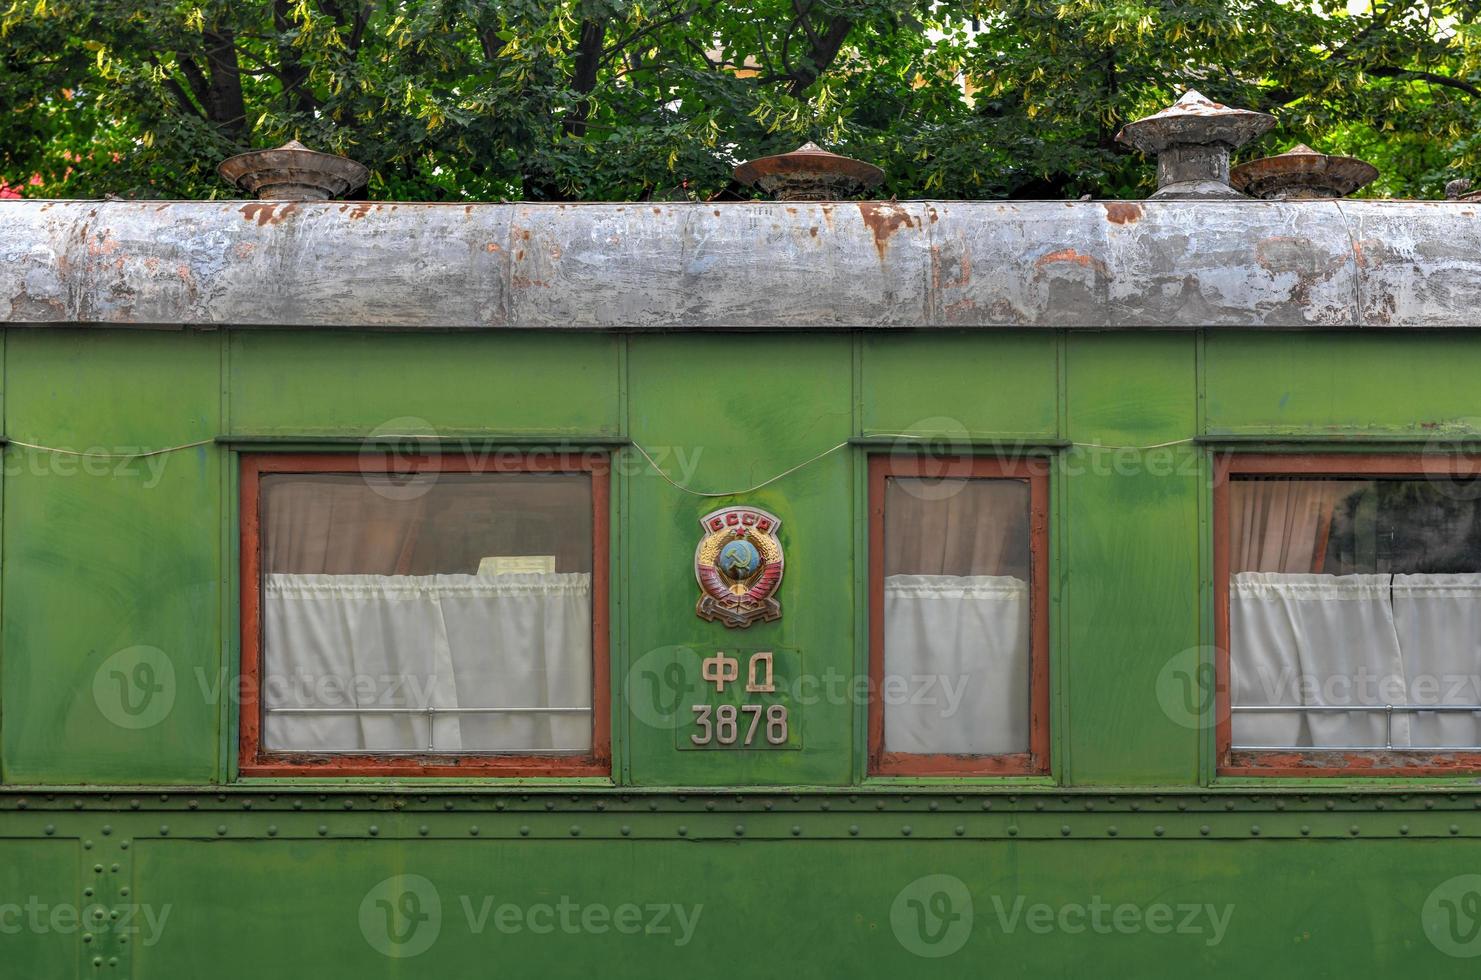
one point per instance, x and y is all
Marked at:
(624, 99)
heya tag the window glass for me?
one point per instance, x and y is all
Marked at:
(957, 616)
(443, 613)
(1358, 600)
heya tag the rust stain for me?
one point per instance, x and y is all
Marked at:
(519, 256)
(958, 310)
(244, 249)
(827, 210)
(1376, 763)
(261, 213)
(658, 211)
(267, 214)
(1122, 212)
(25, 305)
(105, 245)
(183, 271)
(884, 219)
(962, 266)
(1280, 254)
(525, 234)
(717, 212)
(1283, 760)
(491, 247)
(1070, 255)
(814, 230)
(360, 210)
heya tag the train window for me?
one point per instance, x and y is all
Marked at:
(1348, 613)
(427, 616)
(958, 616)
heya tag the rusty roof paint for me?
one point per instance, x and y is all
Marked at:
(1133, 265)
(883, 220)
(1122, 212)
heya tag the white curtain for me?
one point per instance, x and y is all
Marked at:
(1354, 640)
(520, 641)
(1439, 624)
(956, 664)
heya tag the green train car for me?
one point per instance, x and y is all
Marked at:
(750, 589)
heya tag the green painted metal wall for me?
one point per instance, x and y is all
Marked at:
(797, 860)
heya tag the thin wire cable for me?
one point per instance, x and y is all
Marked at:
(641, 451)
(93, 455)
(843, 445)
(1155, 445)
(735, 493)
(1025, 441)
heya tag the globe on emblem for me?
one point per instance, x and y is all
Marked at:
(738, 560)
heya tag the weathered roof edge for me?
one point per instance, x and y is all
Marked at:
(748, 265)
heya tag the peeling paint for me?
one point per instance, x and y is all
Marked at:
(883, 220)
(266, 214)
(1123, 212)
(1070, 255)
(797, 265)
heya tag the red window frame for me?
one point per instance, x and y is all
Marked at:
(1035, 762)
(254, 760)
(1378, 762)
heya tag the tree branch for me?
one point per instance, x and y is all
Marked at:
(824, 49)
(1388, 71)
(225, 106)
(617, 47)
(197, 81)
(294, 75)
(584, 80)
(177, 90)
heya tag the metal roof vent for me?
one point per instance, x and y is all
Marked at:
(1192, 139)
(1302, 174)
(809, 173)
(1460, 190)
(293, 172)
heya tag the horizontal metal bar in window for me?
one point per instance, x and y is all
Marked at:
(422, 754)
(1355, 707)
(454, 438)
(321, 710)
(1356, 748)
(1337, 438)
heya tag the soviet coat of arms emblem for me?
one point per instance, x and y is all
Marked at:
(739, 566)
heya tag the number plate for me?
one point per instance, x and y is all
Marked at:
(740, 701)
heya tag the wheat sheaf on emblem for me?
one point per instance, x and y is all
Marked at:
(739, 566)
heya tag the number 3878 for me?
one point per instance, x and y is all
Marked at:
(731, 724)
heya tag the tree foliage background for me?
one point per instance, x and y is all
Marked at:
(634, 99)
